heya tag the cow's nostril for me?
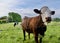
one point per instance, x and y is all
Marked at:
(48, 19)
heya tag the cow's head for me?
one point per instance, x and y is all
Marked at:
(45, 13)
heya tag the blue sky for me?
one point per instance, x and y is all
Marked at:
(25, 7)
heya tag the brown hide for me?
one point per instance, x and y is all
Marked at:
(34, 25)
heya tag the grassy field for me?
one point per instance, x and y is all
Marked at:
(11, 34)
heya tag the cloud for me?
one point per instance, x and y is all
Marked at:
(11, 6)
(7, 5)
(24, 7)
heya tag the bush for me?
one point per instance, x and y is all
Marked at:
(0, 22)
(3, 21)
(56, 19)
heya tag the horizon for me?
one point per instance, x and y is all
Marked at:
(25, 7)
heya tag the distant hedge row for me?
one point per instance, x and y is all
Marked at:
(1, 21)
(56, 19)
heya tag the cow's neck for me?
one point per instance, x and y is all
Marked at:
(40, 19)
(40, 22)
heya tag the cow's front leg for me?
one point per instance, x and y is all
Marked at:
(41, 40)
(36, 38)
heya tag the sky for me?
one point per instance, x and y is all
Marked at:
(25, 7)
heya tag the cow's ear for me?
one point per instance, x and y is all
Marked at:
(52, 12)
(37, 11)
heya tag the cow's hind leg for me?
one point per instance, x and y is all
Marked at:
(36, 38)
(24, 34)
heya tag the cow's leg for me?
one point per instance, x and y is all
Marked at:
(24, 34)
(36, 38)
(41, 40)
(29, 35)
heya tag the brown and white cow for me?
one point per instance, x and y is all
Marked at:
(37, 25)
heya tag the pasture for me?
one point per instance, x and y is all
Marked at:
(11, 34)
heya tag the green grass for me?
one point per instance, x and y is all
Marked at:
(11, 34)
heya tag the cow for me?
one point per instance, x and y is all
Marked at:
(15, 23)
(38, 24)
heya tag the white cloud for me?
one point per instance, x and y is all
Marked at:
(7, 5)
(10, 6)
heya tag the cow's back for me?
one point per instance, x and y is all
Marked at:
(31, 23)
(25, 22)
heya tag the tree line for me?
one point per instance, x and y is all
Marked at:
(56, 19)
(15, 17)
(12, 17)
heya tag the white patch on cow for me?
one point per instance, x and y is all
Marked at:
(46, 12)
(40, 36)
(45, 23)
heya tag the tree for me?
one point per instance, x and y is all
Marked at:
(14, 17)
